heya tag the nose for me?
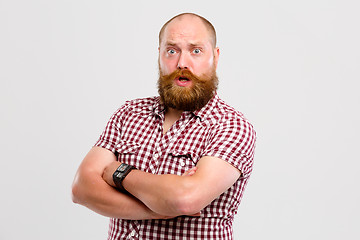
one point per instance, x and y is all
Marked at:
(183, 62)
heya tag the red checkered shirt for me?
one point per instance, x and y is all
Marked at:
(135, 134)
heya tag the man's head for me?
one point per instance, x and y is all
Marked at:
(207, 24)
(188, 59)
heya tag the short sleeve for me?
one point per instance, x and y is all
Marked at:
(112, 133)
(233, 140)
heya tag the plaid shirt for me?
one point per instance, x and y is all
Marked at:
(135, 134)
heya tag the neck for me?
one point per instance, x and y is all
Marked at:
(173, 113)
(171, 116)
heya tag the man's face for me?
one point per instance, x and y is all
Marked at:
(187, 63)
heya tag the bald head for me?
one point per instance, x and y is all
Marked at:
(210, 28)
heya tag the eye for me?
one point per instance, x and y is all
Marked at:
(196, 51)
(171, 51)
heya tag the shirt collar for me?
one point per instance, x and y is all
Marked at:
(205, 111)
(158, 107)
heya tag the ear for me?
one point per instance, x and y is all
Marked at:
(216, 56)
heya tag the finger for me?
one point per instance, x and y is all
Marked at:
(196, 215)
(190, 172)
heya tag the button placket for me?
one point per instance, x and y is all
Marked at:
(154, 163)
(177, 131)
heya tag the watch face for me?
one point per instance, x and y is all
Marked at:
(122, 167)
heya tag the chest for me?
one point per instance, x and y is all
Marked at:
(159, 147)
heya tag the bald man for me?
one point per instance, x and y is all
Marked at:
(173, 166)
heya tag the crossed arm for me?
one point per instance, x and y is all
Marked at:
(153, 196)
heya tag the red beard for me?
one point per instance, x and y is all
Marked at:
(189, 98)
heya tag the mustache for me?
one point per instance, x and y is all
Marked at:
(183, 73)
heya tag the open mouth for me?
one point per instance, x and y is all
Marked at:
(183, 79)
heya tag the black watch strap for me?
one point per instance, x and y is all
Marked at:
(119, 175)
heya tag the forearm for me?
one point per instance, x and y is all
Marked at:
(168, 195)
(90, 189)
(98, 196)
(174, 195)
(165, 194)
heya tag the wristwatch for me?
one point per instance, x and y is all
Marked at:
(120, 173)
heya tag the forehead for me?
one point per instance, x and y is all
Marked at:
(186, 28)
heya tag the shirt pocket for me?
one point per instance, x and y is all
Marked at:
(127, 152)
(178, 162)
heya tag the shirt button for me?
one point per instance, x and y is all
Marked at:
(182, 163)
(132, 234)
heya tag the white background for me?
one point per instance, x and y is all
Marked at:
(292, 67)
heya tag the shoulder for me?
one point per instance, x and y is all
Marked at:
(232, 137)
(224, 114)
(142, 102)
(141, 105)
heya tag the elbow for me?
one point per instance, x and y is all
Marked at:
(75, 193)
(187, 202)
(78, 192)
(186, 207)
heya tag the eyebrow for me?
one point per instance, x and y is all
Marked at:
(170, 44)
(196, 44)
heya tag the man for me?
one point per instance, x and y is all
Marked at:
(174, 166)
